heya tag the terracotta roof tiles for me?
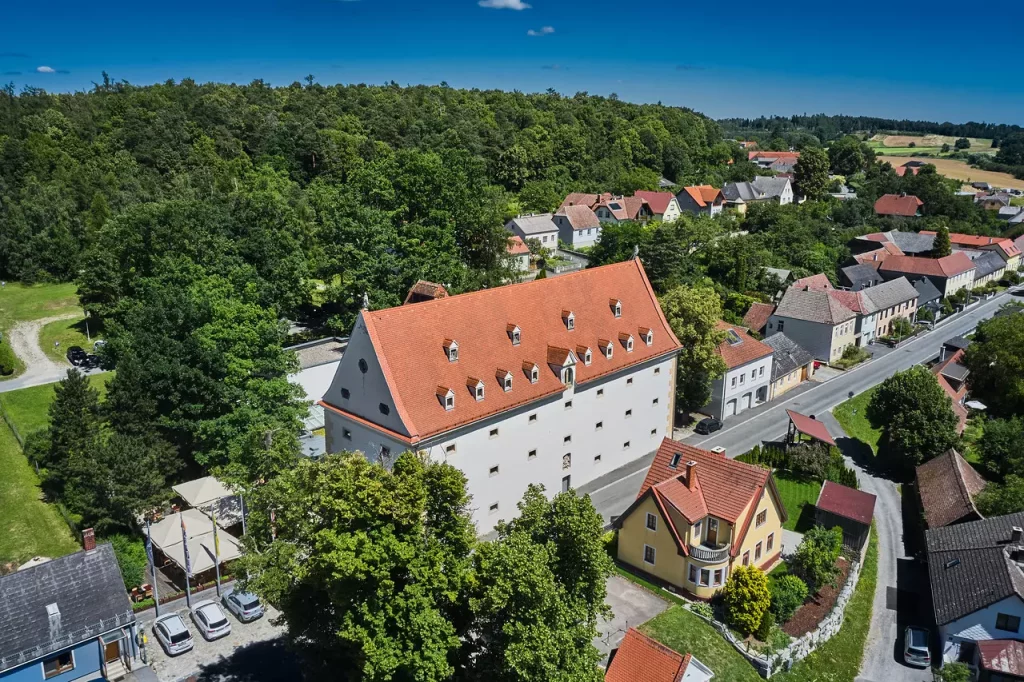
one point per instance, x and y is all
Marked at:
(846, 502)
(704, 195)
(819, 282)
(1004, 656)
(516, 246)
(742, 350)
(757, 317)
(1005, 245)
(641, 659)
(955, 264)
(658, 201)
(904, 205)
(948, 485)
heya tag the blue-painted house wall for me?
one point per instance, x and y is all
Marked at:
(87, 661)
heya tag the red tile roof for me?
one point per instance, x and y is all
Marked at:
(973, 241)
(772, 155)
(902, 170)
(516, 246)
(947, 485)
(640, 659)
(905, 205)
(812, 283)
(949, 266)
(704, 195)
(658, 201)
(956, 396)
(408, 342)
(875, 258)
(854, 300)
(747, 350)
(757, 317)
(582, 199)
(876, 237)
(810, 427)
(849, 503)
(1001, 655)
(424, 290)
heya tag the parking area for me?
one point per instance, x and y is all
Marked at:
(631, 606)
(256, 645)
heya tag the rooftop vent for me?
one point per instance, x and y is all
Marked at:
(952, 563)
(53, 616)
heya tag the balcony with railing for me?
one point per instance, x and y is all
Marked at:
(710, 553)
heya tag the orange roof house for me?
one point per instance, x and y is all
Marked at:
(756, 318)
(701, 199)
(659, 202)
(952, 265)
(698, 514)
(517, 247)
(898, 205)
(948, 486)
(641, 659)
(1001, 245)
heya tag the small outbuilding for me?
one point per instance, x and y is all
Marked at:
(850, 509)
(801, 425)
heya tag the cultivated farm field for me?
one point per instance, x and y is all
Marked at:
(960, 170)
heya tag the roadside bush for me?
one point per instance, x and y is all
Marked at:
(746, 598)
(610, 540)
(809, 461)
(131, 558)
(954, 672)
(704, 609)
(815, 558)
(6, 359)
(925, 315)
(901, 327)
(764, 630)
(143, 604)
(769, 458)
(788, 593)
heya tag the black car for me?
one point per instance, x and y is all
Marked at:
(708, 426)
(92, 361)
(77, 356)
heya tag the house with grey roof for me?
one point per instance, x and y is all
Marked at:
(67, 619)
(578, 226)
(739, 194)
(976, 572)
(988, 266)
(928, 295)
(539, 226)
(894, 299)
(791, 364)
(860, 276)
(816, 320)
(910, 243)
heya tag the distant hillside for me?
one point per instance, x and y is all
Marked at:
(827, 128)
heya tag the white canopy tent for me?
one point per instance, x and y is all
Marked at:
(202, 491)
(201, 551)
(167, 532)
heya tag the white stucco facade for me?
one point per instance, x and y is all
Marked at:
(980, 625)
(600, 425)
(741, 388)
(672, 211)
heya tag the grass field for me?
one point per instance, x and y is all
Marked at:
(679, 629)
(978, 144)
(19, 303)
(959, 170)
(798, 497)
(68, 333)
(28, 526)
(852, 415)
(27, 407)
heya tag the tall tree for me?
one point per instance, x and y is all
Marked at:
(74, 429)
(996, 361)
(916, 416)
(999, 499)
(846, 156)
(1002, 447)
(694, 314)
(810, 175)
(942, 246)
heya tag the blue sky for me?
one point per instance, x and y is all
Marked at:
(721, 58)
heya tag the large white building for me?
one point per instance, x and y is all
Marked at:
(554, 382)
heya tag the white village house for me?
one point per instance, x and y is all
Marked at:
(555, 382)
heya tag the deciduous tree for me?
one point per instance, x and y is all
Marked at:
(916, 415)
(996, 361)
(998, 499)
(810, 175)
(694, 314)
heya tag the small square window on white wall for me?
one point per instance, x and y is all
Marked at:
(625, 446)
(532, 454)
(493, 471)
(494, 433)
(657, 370)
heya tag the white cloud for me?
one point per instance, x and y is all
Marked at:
(46, 69)
(504, 4)
(544, 31)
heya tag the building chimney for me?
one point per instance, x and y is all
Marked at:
(691, 471)
(88, 540)
(1015, 534)
(53, 616)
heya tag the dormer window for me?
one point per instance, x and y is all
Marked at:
(569, 319)
(532, 372)
(627, 341)
(647, 334)
(583, 353)
(451, 348)
(568, 375)
(606, 347)
(447, 397)
(514, 333)
(476, 387)
(616, 306)
(505, 379)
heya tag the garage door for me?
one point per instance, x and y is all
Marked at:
(730, 408)
(746, 401)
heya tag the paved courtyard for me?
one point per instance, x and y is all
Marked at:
(631, 606)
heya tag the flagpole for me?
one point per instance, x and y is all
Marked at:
(188, 566)
(216, 548)
(152, 569)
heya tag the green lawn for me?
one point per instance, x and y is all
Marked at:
(852, 415)
(68, 333)
(679, 629)
(28, 526)
(27, 407)
(20, 302)
(798, 496)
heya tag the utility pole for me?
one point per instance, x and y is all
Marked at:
(188, 564)
(152, 568)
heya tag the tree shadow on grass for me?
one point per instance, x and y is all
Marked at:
(266, 661)
(806, 520)
(863, 456)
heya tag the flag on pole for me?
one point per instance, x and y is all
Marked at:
(216, 538)
(149, 545)
(184, 540)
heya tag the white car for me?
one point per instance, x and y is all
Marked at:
(170, 630)
(245, 605)
(210, 620)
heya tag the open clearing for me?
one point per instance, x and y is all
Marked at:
(22, 303)
(959, 170)
(977, 143)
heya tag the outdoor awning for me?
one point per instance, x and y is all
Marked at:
(167, 532)
(975, 405)
(810, 427)
(227, 510)
(201, 551)
(201, 491)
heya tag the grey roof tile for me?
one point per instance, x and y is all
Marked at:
(891, 293)
(986, 262)
(813, 306)
(862, 276)
(787, 355)
(926, 291)
(534, 224)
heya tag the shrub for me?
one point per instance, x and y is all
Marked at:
(143, 604)
(746, 598)
(6, 359)
(954, 672)
(703, 609)
(788, 593)
(610, 540)
(764, 629)
(925, 315)
(815, 558)
(767, 457)
(131, 558)
(809, 461)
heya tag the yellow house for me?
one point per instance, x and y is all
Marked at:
(698, 514)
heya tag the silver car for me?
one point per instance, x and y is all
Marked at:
(245, 605)
(210, 620)
(173, 635)
(915, 650)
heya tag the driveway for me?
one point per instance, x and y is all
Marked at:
(896, 598)
(39, 368)
(631, 606)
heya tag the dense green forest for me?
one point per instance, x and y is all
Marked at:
(827, 128)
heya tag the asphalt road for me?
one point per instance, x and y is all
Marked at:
(770, 421)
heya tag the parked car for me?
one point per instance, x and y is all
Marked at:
(92, 361)
(708, 426)
(210, 620)
(77, 356)
(173, 635)
(245, 606)
(915, 650)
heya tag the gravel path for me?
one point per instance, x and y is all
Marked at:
(39, 369)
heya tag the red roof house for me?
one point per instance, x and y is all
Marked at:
(658, 201)
(517, 247)
(757, 317)
(641, 659)
(848, 508)
(819, 282)
(900, 205)
(1003, 657)
(952, 265)
(747, 350)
